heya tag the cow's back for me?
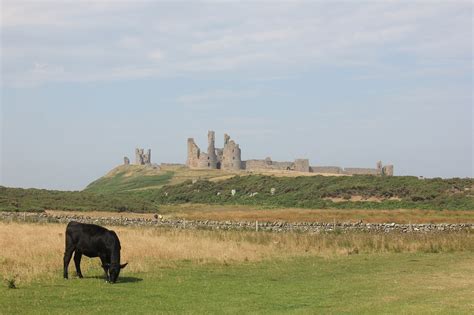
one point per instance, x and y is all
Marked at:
(92, 240)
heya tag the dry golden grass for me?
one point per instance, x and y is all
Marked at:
(239, 212)
(32, 250)
(182, 174)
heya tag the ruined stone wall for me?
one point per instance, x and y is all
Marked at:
(326, 169)
(193, 154)
(211, 151)
(138, 156)
(267, 164)
(360, 171)
(254, 165)
(142, 158)
(387, 170)
(379, 168)
(228, 157)
(302, 165)
(220, 157)
(147, 157)
(283, 166)
(231, 157)
(196, 158)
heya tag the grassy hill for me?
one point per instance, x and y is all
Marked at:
(127, 178)
(130, 177)
(147, 188)
(319, 192)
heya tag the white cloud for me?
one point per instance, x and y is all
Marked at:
(103, 40)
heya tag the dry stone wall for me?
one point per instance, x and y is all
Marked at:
(275, 226)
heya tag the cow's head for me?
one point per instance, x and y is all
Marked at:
(114, 271)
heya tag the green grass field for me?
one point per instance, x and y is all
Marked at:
(130, 178)
(414, 283)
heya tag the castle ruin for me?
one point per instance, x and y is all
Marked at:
(226, 158)
(141, 157)
(229, 158)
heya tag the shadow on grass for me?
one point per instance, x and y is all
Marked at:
(129, 280)
(120, 279)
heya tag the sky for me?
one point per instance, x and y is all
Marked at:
(345, 83)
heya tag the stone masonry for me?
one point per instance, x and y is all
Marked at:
(142, 158)
(229, 158)
(126, 161)
(276, 226)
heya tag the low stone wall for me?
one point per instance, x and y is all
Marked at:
(277, 226)
(361, 171)
(326, 169)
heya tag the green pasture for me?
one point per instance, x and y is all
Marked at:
(416, 283)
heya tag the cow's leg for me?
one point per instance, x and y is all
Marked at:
(68, 254)
(105, 266)
(77, 262)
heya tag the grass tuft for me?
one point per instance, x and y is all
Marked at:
(11, 282)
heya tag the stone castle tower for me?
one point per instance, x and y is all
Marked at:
(142, 158)
(228, 158)
(231, 155)
(211, 150)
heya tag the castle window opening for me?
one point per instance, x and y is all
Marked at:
(208, 164)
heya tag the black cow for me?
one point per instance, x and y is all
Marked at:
(93, 241)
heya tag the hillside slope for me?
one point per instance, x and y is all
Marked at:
(318, 192)
(178, 184)
(130, 177)
(125, 178)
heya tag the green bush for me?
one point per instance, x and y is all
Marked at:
(304, 192)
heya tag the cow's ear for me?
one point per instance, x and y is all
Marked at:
(123, 266)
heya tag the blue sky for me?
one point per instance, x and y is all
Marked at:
(341, 83)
